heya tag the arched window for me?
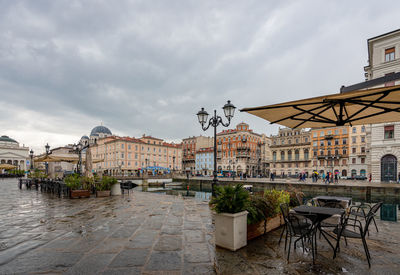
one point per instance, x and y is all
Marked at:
(289, 155)
(362, 172)
(306, 156)
(282, 155)
(296, 154)
(344, 173)
(353, 173)
(388, 168)
(274, 156)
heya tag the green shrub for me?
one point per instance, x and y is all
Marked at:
(74, 181)
(274, 198)
(105, 183)
(257, 209)
(230, 199)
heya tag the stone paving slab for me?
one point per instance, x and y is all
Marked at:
(139, 233)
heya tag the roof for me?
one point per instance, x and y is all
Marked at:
(100, 129)
(150, 137)
(371, 83)
(385, 34)
(7, 139)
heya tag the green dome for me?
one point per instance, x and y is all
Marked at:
(7, 139)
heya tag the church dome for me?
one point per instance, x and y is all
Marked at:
(100, 130)
(7, 139)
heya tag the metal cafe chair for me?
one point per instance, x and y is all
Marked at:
(343, 230)
(360, 212)
(301, 226)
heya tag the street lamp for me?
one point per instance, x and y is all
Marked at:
(173, 163)
(202, 115)
(78, 148)
(119, 163)
(47, 147)
(31, 155)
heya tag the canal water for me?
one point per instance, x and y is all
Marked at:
(391, 207)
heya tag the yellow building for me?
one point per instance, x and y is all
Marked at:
(126, 155)
(330, 147)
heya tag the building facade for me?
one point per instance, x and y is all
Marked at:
(239, 151)
(290, 151)
(330, 148)
(266, 155)
(205, 161)
(115, 155)
(190, 146)
(12, 153)
(358, 147)
(58, 169)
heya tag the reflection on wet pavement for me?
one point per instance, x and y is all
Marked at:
(132, 234)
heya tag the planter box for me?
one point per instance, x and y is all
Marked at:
(79, 194)
(100, 194)
(231, 230)
(262, 227)
(116, 189)
(256, 230)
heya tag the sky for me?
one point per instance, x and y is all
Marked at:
(147, 67)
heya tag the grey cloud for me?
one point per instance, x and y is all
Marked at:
(148, 66)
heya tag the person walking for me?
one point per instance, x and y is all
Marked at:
(336, 178)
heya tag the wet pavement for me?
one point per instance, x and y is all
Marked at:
(146, 233)
(140, 233)
(264, 256)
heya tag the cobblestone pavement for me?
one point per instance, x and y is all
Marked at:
(140, 233)
(264, 256)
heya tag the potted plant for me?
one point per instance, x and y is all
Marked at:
(230, 216)
(256, 218)
(274, 199)
(103, 187)
(115, 187)
(78, 186)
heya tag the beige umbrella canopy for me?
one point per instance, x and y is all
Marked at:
(7, 166)
(51, 158)
(352, 108)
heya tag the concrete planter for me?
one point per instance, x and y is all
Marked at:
(79, 194)
(231, 230)
(116, 190)
(100, 194)
(262, 227)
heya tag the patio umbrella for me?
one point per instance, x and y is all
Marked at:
(352, 108)
(7, 166)
(51, 158)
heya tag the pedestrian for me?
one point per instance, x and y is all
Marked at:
(370, 177)
(336, 178)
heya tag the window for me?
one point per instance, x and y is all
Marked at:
(344, 162)
(321, 143)
(363, 129)
(306, 154)
(389, 54)
(297, 140)
(321, 153)
(321, 134)
(363, 139)
(353, 150)
(344, 152)
(336, 152)
(345, 141)
(336, 132)
(362, 149)
(274, 156)
(305, 139)
(315, 143)
(354, 139)
(296, 155)
(329, 132)
(362, 160)
(282, 155)
(329, 142)
(354, 130)
(389, 131)
(315, 134)
(344, 131)
(336, 141)
(122, 146)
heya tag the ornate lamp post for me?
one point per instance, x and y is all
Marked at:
(202, 115)
(119, 163)
(47, 147)
(173, 163)
(31, 155)
(78, 148)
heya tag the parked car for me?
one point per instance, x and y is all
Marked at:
(360, 177)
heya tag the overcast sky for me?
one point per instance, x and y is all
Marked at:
(148, 66)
